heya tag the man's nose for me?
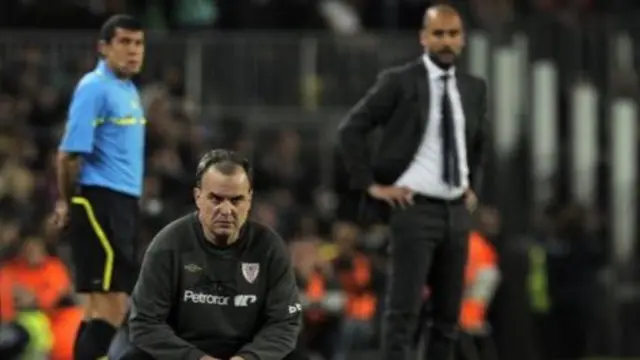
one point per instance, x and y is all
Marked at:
(133, 49)
(225, 208)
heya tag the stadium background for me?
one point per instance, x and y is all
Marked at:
(272, 78)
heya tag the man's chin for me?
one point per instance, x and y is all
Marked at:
(133, 72)
(224, 232)
(130, 69)
(447, 58)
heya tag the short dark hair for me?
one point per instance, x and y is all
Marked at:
(442, 8)
(121, 21)
(225, 161)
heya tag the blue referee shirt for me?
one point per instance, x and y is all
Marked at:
(106, 127)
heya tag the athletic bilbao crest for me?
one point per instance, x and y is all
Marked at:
(250, 271)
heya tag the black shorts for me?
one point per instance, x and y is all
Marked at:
(103, 232)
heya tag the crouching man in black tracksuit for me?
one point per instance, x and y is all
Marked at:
(214, 285)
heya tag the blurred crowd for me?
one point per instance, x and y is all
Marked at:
(341, 16)
(551, 303)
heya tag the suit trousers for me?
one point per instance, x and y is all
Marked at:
(429, 242)
(475, 347)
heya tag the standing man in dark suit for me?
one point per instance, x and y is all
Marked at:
(426, 169)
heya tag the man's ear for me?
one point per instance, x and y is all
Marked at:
(196, 195)
(423, 37)
(102, 47)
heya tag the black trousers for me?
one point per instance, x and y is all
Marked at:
(428, 246)
(475, 347)
(135, 354)
(122, 349)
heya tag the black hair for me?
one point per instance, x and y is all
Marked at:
(225, 161)
(122, 21)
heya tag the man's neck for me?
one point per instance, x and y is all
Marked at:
(115, 72)
(218, 240)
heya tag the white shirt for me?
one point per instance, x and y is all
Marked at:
(424, 174)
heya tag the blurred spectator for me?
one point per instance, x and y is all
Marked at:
(19, 191)
(565, 261)
(362, 286)
(482, 277)
(42, 282)
(27, 327)
(9, 237)
(284, 168)
(154, 207)
(322, 298)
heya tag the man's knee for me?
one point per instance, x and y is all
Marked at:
(133, 353)
(120, 345)
(111, 307)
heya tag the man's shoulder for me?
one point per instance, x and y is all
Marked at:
(264, 238)
(473, 79)
(174, 235)
(91, 82)
(407, 68)
(401, 69)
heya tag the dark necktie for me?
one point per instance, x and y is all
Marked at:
(450, 163)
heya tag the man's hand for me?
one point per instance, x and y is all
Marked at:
(471, 200)
(24, 298)
(61, 214)
(393, 195)
(237, 358)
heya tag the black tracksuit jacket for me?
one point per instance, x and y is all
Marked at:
(193, 298)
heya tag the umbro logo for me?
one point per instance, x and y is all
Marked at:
(192, 268)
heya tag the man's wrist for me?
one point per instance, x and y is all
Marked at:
(372, 187)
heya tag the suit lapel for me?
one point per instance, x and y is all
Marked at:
(463, 89)
(421, 77)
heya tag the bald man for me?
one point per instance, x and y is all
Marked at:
(423, 179)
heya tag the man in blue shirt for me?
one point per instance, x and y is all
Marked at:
(99, 171)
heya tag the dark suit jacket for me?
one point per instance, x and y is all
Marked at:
(398, 103)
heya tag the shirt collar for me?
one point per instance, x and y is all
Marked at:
(434, 71)
(103, 69)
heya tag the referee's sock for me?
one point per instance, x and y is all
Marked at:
(93, 343)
